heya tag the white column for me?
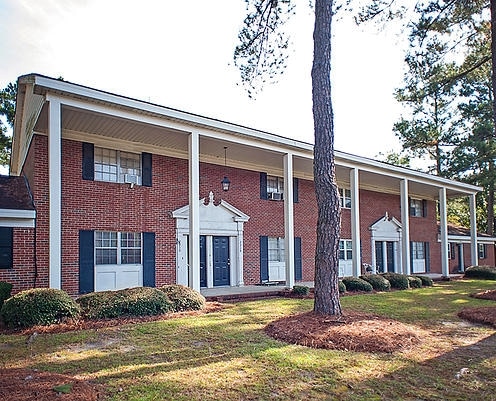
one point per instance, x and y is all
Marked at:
(405, 227)
(194, 210)
(474, 250)
(374, 256)
(462, 257)
(384, 256)
(355, 222)
(443, 220)
(289, 220)
(240, 279)
(209, 263)
(55, 193)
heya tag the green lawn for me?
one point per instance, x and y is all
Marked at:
(227, 356)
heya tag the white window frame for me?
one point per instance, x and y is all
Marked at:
(119, 247)
(119, 171)
(345, 198)
(416, 207)
(275, 248)
(275, 185)
(345, 249)
(418, 250)
(482, 250)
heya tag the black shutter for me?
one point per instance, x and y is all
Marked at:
(411, 258)
(149, 259)
(295, 190)
(427, 257)
(424, 208)
(264, 258)
(146, 163)
(263, 186)
(297, 258)
(88, 166)
(86, 261)
(6, 247)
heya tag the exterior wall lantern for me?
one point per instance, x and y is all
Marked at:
(225, 182)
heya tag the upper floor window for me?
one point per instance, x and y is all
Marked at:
(116, 248)
(275, 187)
(276, 249)
(482, 251)
(117, 166)
(417, 208)
(345, 198)
(345, 249)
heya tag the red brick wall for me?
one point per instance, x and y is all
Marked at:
(97, 205)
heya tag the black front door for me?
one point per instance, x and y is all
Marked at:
(390, 256)
(221, 260)
(379, 259)
(203, 261)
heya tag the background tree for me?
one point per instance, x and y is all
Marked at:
(261, 54)
(7, 111)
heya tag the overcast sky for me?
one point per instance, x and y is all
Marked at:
(179, 54)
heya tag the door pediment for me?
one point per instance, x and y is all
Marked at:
(387, 228)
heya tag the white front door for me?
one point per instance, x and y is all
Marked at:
(117, 277)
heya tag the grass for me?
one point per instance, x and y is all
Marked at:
(227, 356)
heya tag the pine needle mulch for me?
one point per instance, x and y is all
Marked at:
(482, 315)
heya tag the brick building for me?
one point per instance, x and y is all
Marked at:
(125, 193)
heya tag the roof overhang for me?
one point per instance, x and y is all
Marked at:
(17, 218)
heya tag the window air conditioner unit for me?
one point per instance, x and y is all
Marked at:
(130, 179)
(274, 195)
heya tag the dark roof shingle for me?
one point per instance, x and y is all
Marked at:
(14, 193)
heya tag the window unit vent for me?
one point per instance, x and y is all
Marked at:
(130, 179)
(274, 195)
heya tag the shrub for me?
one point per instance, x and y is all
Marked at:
(183, 298)
(356, 284)
(5, 291)
(39, 306)
(414, 282)
(342, 287)
(378, 282)
(301, 290)
(426, 281)
(398, 281)
(482, 272)
(138, 301)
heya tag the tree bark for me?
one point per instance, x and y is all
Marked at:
(329, 216)
(490, 205)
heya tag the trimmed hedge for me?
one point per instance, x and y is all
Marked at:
(356, 284)
(184, 298)
(39, 306)
(5, 292)
(138, 301)
(397, 281)
(342, 287)
(426, 281)
(414, 282)
(481, 272)
(378, 282)
(301, 290)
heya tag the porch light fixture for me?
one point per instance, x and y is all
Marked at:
(225, 182)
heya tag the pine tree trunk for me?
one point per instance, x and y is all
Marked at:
(490, 205)
(328, 219)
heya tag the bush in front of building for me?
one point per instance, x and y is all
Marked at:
(5, 292)
(414, 282)
(397, 280)
(39, 306)
(426, 281)
(183, 298)
(341, 287)
(356, 284)
(138, 301)
(378, 282)
(300, 290)
(482, 272)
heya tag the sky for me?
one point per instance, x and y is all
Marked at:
(179, 54)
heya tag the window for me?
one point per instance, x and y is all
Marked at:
(117, 166)
(276, 249)
(482, 251)
(345, 249)
(417, 208)
(451, 250)
(6, 242)
(113, 248)
(345, 198)
(275, 185)
(418, 250)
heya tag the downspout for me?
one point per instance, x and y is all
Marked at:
(35, 253)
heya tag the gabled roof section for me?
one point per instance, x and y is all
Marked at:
(15, 194)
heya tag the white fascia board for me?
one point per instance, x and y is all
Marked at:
(466, 239)
(17, 214)
(17, 223)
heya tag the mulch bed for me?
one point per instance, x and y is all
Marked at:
(483, 315)
(353, 331)
(489, 294)
(33, 385)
